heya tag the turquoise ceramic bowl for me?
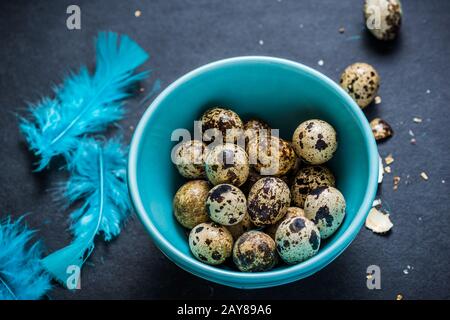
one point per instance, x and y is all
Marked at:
(281, 92)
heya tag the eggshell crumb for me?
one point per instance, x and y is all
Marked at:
(378, 221)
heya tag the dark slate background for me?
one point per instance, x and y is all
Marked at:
(37, 50)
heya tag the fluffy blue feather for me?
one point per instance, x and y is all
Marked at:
(22, 276)
(98, 181)
(84, 103)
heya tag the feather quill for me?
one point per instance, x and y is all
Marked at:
(22, 276)
(84, 103)
(98, 181)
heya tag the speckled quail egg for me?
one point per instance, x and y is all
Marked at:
(268, 201)
(325, 206)
(297, 239)
(224, 121)
(189, 203)
(189, 159)
(290, 213)
(240, 228)
(256, 124)
(211, 243)
(361, 81)
(255, 251)
(254, 176)
(381, 129)
(227, 163)
(383, 18)
(271, 156)
(315, 141)
(226, 204)
(308, 179)
(253, 127)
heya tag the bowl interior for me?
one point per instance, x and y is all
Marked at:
(279, 93)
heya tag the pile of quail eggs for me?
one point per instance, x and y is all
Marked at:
(267, 202)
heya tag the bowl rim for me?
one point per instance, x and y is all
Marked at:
(324, 256)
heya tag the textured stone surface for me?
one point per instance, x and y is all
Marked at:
(37, 50)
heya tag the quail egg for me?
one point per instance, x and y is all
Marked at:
(290, 213)
(189, 159)
(227, 163)
(315, 141)
(361, 81)
(226, 204)
(308, 179)
(383, 18)
(381, 129)
(256, 124)
(189, 203)
(211, 243)
(271, 155)
(253, 127)
(325, 206)
(254, 251)
(268, 201)
(254, 176)
(221, 121)
(378, 222)
(243, 226)
(297, 239)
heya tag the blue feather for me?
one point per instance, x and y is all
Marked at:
(98, 180)
(22, 276)
(84, 103)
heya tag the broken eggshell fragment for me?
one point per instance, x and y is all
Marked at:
(378, 221)
(380, 170)
(381, 129)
